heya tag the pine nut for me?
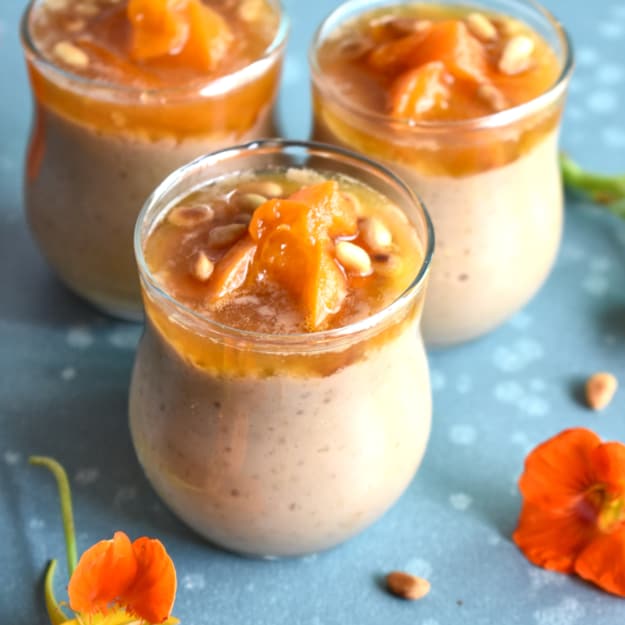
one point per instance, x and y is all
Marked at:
(600, 389)
(242, 218)
(353, 202)
(376, 235)
(407, 586)
(86, 9)
(353, 258)
(250, 10)
(492, 96)
(222, 236)
(189, 216)
(410, 25)
(70, 54)
(387, 265)
(516, 55)
(481, 27)
(75, 25)
(203, 267)
(354, 47)
(56, 5)
(268, 188)
(248, 202)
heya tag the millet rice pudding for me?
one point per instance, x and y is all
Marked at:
(125, 92)
(280, 400)
(465, 105)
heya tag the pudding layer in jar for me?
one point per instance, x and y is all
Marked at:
(280, 400)
(125, 92)
(465, 105)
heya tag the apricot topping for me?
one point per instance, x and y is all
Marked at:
(189, 30)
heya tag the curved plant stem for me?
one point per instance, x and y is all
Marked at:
(606, 190)
(55, 614)
(65, 496)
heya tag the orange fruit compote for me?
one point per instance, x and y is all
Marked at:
(283, 252)
(152, 67)
(388, 81)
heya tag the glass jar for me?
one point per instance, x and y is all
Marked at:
(278, 445)
(492, 184)
(98, 149)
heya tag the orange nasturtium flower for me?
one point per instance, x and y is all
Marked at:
(573, 515)
(115, 582)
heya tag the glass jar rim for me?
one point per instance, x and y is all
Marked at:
(493, 120)
(212, 86)
(280, 146)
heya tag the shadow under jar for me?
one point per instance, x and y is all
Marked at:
(119, 106)
(464, 103)
(266, 438)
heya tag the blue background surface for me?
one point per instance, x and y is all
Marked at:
(63, 386)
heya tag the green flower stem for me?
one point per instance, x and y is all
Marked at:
(65, 496)
(55, 614)
(606, 190)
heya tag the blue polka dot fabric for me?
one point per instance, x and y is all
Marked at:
(64, 374)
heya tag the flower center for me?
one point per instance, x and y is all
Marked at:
(611, 514)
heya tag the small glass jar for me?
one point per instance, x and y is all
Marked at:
(279, 445)
(98, 149)
(492, 184)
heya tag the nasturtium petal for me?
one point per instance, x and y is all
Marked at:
(103, 575)
(602, 562)
(151, 595)
(560, 470)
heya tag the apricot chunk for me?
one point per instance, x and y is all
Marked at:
(418, 92)
(448, 42)
(324, 293)
(231, 272)
(209, 37)
(451, 43)
(294, 238)
(329, 211)
(159, 28)
(189, 30)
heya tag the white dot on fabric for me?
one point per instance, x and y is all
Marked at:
(292, 71)
(600, 263)
(125, 337)
(602, 102)
(464, 383)
(460, 501)
(613, 137)
(12, 457)
(611, 30)
(437, 380)
(596, 285)
(610, 74)
(124, 495)
(193, 581)
(68, 373)
(540, 578)
(587, 56)
(568, 612)
(521, 321)
(86, 476)
(538, 385)
(572, 253)
(36, 524)
(574, 113)
(79, 337)
(462, 434)
(534, 406)
(508, 391)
